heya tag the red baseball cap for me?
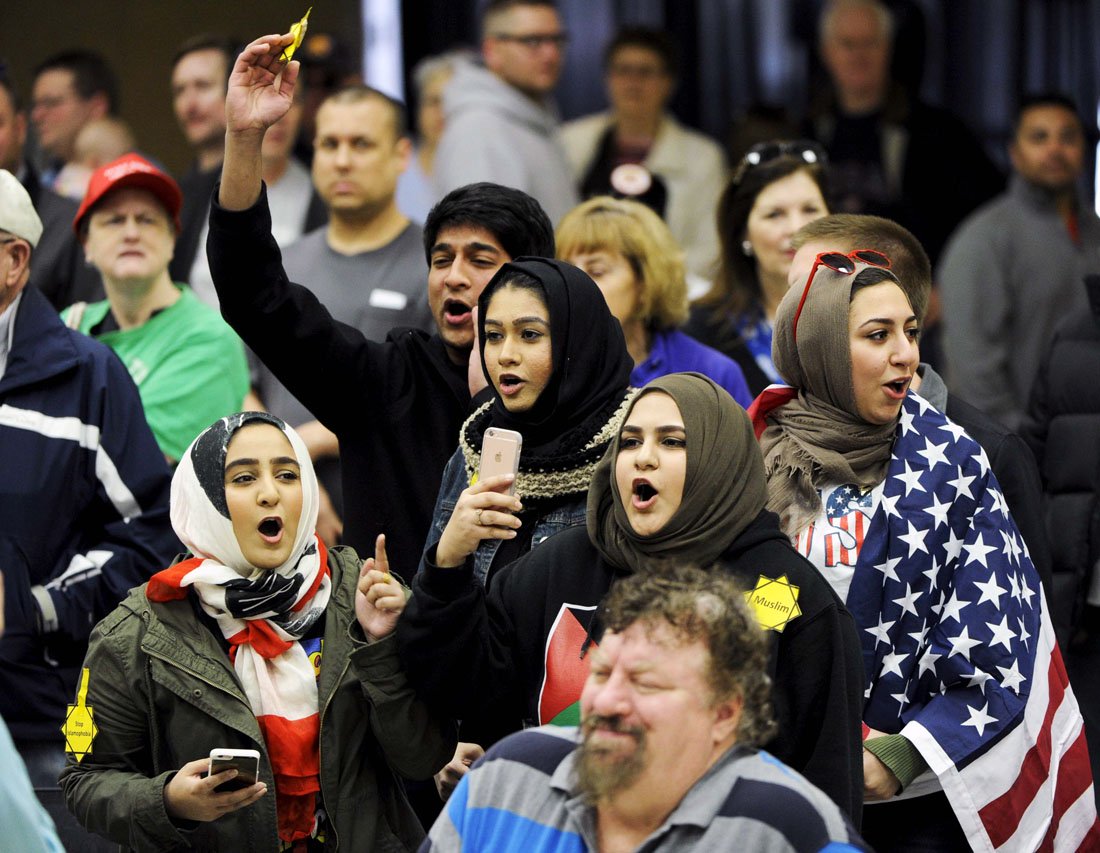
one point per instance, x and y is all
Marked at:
(131, 170)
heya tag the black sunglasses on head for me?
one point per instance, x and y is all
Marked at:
(765, 152)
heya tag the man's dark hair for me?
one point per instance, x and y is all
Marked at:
(655, 41)
(91, 75)
(516, 220)
(361, 92)
(710, 607)
(226, 46)
(1044, 99)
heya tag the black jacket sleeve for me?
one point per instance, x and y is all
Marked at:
(320, 360)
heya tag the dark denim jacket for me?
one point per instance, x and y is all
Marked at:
(454, 481)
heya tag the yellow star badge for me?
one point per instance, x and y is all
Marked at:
(80, 728)
(774, 601)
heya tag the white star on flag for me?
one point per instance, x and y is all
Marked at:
(962, 484)
(888, 567)
(1024, 635)
(991, 590)
(982, 460)
(953, 546)
(1014, 587)
(932, 572)
(978, 678)
(914, 539)
(953, 607)
(907, 422)
(976, 551)
(889, 504)
(1001, 634)
(1011, 677)
(911, 479)
(891, 663)
(962, 644)
(956, 431)
(881, 631)
(1026, 592)
(979, 719)
(908, 600)
(927, 663)
(933, 453)
(938, 512)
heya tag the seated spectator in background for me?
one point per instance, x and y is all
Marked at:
(500, 124)
(1062, 426)
(416, 192)
(634, 259)
(1012, 272)
(889, 154)
(666, 757)
(397, 406)
(189, 366)
(59, 271)
(777, 188)
(686, 170)
(83, 510)
(200, 69)
(366, 266)
(69, 90)
(683, 480)
(897, 507)
(260, 639)
(99, 142)
(1009, 457)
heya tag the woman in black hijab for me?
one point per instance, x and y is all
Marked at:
(558, 367)
(682, 480)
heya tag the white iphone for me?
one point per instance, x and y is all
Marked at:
(245, 761)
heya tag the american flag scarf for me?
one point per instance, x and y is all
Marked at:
(958, 647)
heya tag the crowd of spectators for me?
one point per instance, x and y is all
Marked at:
(769, 565)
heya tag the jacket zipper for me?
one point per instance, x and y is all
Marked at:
(320, 757)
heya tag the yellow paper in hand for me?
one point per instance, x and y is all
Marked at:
(297, 30)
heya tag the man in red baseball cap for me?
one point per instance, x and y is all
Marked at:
(189, 366)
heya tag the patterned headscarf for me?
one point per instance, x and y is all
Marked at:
(262, 613)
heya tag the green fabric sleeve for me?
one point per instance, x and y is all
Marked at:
(899, 755)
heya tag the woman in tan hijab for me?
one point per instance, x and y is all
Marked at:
(682, 480)
(897, 508)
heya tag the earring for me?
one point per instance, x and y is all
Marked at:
(746, 248)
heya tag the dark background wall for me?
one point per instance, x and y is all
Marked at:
(972, 56)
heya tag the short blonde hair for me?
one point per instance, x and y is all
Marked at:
(639, 235)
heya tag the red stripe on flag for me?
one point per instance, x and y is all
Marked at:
(1002, 816)
(292, 744)
(262, 637)
(165, 585)
(1074, 778)
(772, 397)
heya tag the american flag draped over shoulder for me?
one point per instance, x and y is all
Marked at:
(959, 649)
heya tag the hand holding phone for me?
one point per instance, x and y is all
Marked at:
(500, 450)
(245, 761)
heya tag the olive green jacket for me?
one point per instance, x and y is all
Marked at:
(163, 693)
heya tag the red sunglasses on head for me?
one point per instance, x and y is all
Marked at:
(841, 263)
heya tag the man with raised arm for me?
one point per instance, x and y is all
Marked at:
(395, 407)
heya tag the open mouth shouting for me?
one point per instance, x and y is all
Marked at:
(510, 384)
(898, 387)
(456, 312)
(643, 494)
(271, 530)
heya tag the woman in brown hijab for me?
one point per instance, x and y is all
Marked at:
(682, 480)
(897, 508)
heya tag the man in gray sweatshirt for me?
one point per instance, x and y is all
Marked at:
(501, 125)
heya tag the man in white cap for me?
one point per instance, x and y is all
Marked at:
(83, 506)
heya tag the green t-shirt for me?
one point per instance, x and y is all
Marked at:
(188, 365)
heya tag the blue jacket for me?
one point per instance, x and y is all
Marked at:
(559, 518)
(675, 352)
(83, 509)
